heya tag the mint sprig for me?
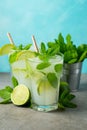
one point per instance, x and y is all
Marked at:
(14, 81)
(5, 95)
(65, 97)
(43, 65)
(52, 78)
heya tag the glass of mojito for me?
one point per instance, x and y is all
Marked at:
(19, 65)
(45, 82)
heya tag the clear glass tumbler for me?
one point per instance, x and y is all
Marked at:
(45, 82)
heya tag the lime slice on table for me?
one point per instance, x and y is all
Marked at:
(25, 54)
(6, 49)
(20, 95)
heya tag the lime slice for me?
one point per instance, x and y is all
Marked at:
(20, 95)
(6, 49)
(25, 54)
(43, 86)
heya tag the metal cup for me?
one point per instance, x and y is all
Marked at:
(71, 74)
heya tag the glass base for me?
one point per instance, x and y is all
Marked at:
(45, 108)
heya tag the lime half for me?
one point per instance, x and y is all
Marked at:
(20, 95)
(6, 49)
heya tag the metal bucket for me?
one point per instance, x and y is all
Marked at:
(71, 74)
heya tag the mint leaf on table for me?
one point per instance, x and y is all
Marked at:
(64, 94)
(52, 78)
(14, 81)
(65, 97)
(61, 106)
(70, 96)
(8, 88)
(5, 101)
(5, 95)
(69, 104)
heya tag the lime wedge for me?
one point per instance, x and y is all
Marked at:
(6, 49)
(43, 86)
(22, 55)
(20, 95)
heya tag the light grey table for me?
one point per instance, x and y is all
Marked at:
(17, 118)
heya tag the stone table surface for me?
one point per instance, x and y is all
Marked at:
(20, 118)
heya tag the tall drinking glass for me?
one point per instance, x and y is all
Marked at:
(45, 82)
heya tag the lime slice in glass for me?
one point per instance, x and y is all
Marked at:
(43, 86)
(25, 54)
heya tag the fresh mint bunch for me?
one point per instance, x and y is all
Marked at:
(5, 94)
(72, 53)
(65, 97)
(47, 51)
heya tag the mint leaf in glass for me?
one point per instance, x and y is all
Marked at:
(14, 81)
(58, 67)
(43, 65)
(52, 78)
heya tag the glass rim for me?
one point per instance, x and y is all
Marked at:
(52, 57)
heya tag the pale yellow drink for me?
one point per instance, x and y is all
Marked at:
(44, 94)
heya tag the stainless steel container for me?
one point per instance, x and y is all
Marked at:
(72, 74)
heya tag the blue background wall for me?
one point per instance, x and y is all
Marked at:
(43, 18)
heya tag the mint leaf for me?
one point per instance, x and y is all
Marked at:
(43, 65)
(70, 54)
(5, 94)
(69, 104)
(9, 89)
(20, 47)
(83, 56)
(72, 61)
(64, 94)
(12, 57)
(14, 81)
(50, 44)
(43, 48)
(27, 47)
(70, 96)
(58, 67)
(68, 39)
(61, 106)
(5, 101)
(52, 79)
(60, 38)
